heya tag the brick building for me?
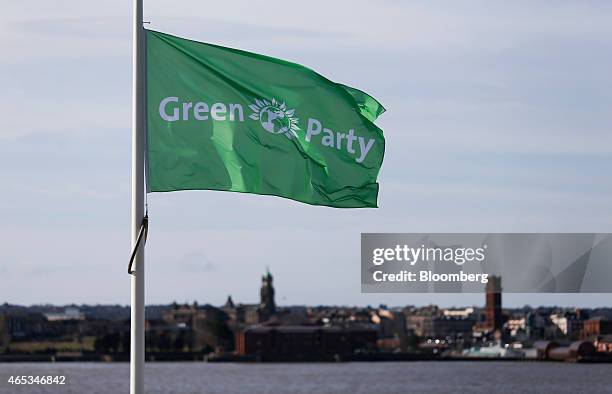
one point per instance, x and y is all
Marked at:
(596, 327)
(301, 343)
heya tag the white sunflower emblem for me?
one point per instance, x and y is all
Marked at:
(275, 117)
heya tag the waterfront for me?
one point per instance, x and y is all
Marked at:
(434, 377)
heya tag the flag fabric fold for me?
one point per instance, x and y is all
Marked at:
(224, 119)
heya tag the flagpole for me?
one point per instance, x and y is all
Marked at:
(137, 326)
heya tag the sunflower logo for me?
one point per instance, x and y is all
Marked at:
(275, 117)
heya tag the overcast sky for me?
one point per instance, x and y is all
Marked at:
(498, 121)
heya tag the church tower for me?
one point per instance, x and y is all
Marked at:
(267, 304)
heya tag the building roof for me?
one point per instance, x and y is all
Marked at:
(303, 329)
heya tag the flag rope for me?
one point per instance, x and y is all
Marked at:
(144, 231)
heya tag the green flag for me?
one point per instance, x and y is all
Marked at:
(224, 119)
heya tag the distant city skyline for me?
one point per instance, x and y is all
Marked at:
(497, 121)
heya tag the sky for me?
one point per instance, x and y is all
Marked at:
(498, 120)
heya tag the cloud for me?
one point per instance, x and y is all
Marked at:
(195, 262)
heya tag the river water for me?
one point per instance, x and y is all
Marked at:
(355, 378)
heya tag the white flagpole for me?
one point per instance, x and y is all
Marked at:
(137, 326)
